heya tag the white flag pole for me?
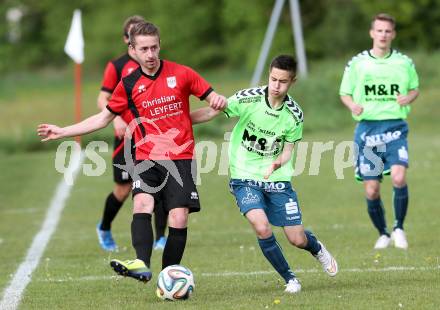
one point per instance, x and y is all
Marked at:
(74, 47)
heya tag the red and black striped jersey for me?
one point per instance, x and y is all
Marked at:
(161, 103)
(116, 70)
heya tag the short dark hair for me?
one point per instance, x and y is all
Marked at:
(383, 17)
(284, 62)
(143, 29)
(132, 20)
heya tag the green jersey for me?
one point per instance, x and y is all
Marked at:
(258, 137)
(374, 83)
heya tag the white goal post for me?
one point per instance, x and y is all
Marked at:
(270, 33)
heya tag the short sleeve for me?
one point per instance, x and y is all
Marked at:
(295, 133)
(110, 79)
(198, 86)
(347, 86)
(233, 108)
(413, 77)
(118, 102)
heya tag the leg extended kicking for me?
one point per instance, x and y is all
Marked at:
(142, 240)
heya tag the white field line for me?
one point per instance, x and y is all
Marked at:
(315, 270)
(255, 273)
(13, 293)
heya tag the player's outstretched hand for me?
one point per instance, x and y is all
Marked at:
(218, 102)
(49, 132)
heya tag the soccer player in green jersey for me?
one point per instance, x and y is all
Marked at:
(378, 87)
(260, 160)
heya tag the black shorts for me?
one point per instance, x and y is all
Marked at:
(170, 181)
(120, 176)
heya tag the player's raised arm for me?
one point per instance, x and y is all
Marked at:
(217, 103)
(93, 123)
(203, 115)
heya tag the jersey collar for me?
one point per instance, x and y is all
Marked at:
(156, 75)
(266, 99)
(387, 56)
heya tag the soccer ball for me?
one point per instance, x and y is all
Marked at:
(175, 282)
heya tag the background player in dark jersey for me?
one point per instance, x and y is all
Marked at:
(114, 71)
(157, 94)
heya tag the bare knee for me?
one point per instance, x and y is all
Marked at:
(258, 219)
(372, 193)
(143, 203)
(299, 240)
(398, 180)
(398, 176)
(263, 230)
(178, 218)
(372, 190)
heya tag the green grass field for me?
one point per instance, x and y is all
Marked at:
(229, 269)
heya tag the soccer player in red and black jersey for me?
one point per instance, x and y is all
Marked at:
(157, 95)
(114, 71)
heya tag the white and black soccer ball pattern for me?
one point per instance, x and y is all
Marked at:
(175, 282)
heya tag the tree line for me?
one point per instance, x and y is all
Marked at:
(208, 33)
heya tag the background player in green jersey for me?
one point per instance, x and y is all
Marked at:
(378, 87)
(260, 159)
